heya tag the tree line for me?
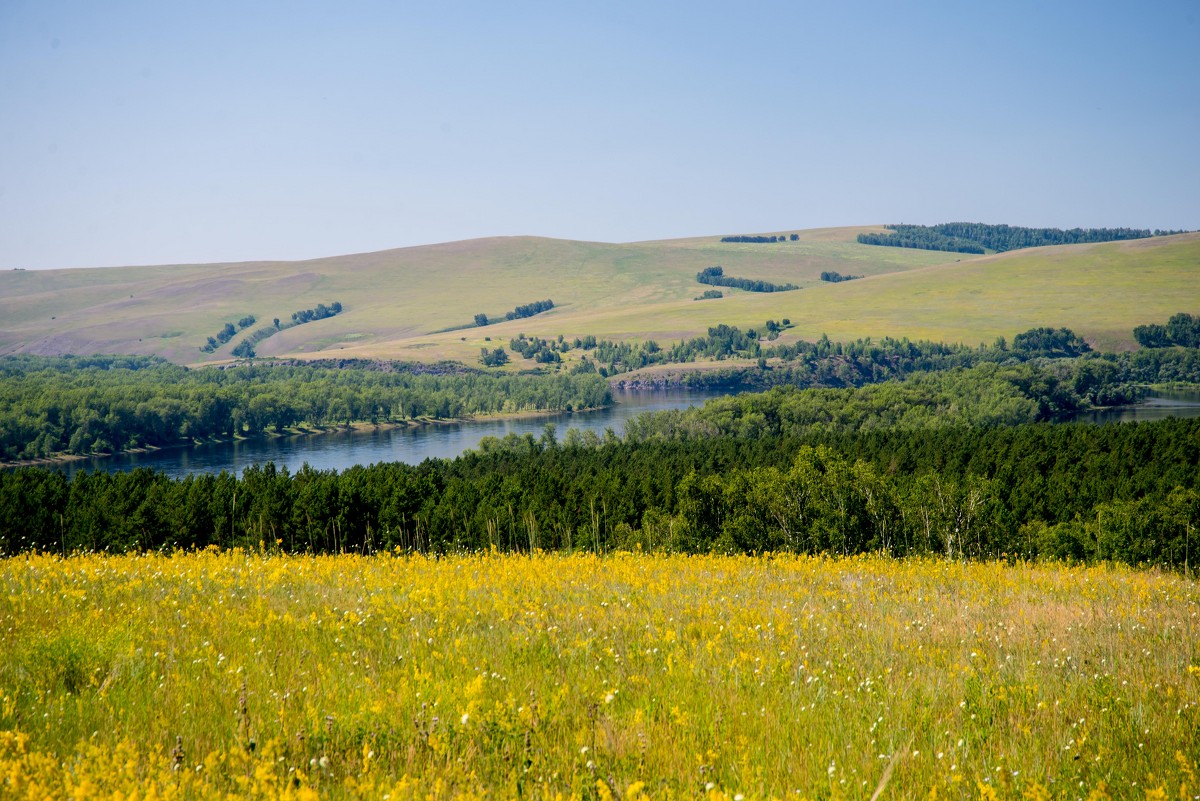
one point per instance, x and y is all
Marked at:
(519, 313)
(319, 312)
(980, 237)
(987, 395)
(716, 277)
(1181, 329)
(834, 277)
(761, 240)
(226, 333)
(245, 348)
(914, 236)
(1103, 379)
(820, 363)
(74, 405)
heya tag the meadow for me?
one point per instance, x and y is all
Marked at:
(255, 675)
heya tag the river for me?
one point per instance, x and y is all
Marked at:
(1159, 405)
(341, 449)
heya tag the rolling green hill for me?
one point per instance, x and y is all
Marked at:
(395, 301)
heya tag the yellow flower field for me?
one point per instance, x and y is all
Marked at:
(238, 675)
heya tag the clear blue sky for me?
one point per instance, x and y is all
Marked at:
(165, 132)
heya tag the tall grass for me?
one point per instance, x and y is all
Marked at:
(216, 675)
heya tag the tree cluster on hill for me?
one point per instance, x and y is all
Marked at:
(1051, 343)
(716, 277)
(1181, 329)
(721, 342)
(613, 357)
(320, 312)
(75, 405)
(519, 313)
(245, 348)
(226, 333)
(757, 473)
(543, 351)
(710, 294)
(761, 240)
(530, 309)
(497, 357)
(834, 277)
(776, 327)
(979, 237)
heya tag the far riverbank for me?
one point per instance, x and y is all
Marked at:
(341, 447)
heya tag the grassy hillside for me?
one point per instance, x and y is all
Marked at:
(395, 300)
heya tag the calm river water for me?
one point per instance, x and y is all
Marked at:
(1165, 403)
(342, 449)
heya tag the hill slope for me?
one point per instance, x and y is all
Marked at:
(395, 300)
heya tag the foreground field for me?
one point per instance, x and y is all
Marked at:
(239, 675)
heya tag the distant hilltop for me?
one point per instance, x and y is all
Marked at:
(455, 300)
(979, 238)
